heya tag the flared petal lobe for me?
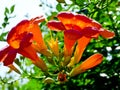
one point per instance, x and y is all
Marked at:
(90, 32)
(84, 21)
(7, 55)
(9, 59)
(3, 53)
(56, 26)
(107, 34)
(17, 33)
(73, 34)
(91, 62)
(67, 19)
(71, 20)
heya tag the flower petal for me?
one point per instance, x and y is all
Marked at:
(3, 53)
(15, 35)
(67, 18)
(107, 34)
(9, 59)
(69, 21)
(68, 44)
(7, 55)
(95, 24)
(70, 37)
(73, 34)
(90, 32)
(56, 25)
(82, 44)
(26, 41)
(68, 49)
(39, 43)
(92, 61)
(83, 21)
(82, 18)
(30, 53)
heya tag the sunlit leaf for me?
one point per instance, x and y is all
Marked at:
(6, 11)
(59, 7)
(12, 9)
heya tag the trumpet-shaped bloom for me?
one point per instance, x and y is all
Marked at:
(87, 64)
(20, 40)
(26, 26)
(77, 27)
(8, 54)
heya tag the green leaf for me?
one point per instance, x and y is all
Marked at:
(6, 19)
(12, 8)
(4, 24)
(2, 36)
(6, 11)
(81, 2)
(54, 13)
(59, 7)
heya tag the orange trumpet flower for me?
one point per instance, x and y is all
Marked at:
(77, 27)
(25, 26)
(20, 40)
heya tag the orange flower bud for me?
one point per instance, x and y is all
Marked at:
(92, 61)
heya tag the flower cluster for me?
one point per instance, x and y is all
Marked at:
(26, 39)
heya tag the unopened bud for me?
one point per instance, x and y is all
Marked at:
(48, 80)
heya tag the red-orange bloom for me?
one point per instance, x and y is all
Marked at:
(20, 40)
(25, 26)
(77, 27)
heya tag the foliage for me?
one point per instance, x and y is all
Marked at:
(7, 16)
(105, 76)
